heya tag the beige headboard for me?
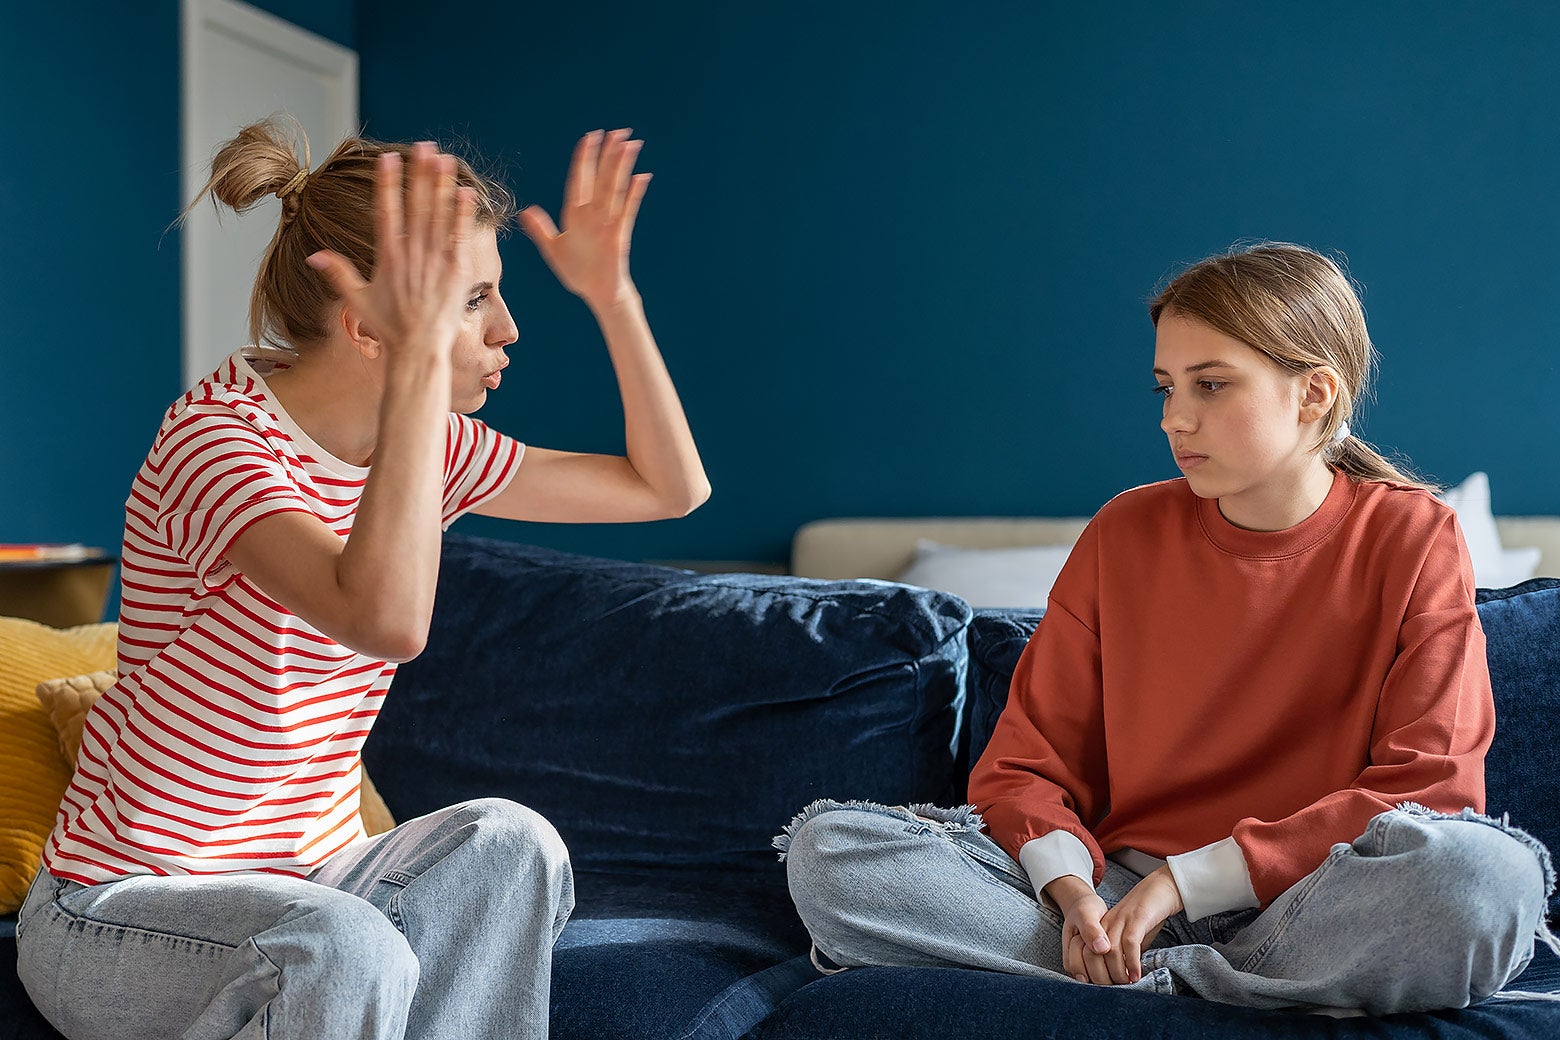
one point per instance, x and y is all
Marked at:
(878, 548)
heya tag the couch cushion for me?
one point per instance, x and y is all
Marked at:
(660, 717)
(676, 954)
(938, 1003)
(1522, 635)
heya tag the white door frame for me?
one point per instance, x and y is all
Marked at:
(206, 333)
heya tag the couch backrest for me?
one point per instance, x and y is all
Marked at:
(659, 717)
(1522, 635)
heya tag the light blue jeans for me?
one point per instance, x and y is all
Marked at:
(443, 927)
(1421, 912)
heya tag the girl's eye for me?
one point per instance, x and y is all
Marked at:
(476, 301)
(1213, 386)
(1163, 391)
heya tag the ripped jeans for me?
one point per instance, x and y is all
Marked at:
(1421, 912)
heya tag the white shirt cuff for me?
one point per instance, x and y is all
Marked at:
(1054, 855)
(1213, 879)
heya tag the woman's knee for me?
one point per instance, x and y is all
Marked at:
(345, 938)
(508, 833)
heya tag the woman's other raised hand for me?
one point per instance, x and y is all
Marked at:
(600, 201)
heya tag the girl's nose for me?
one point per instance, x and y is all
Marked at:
(1177, 419)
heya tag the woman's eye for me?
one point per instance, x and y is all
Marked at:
(476, 301)
(1213, 386)
(1163, 391)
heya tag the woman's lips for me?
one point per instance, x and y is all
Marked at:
(1190, 461)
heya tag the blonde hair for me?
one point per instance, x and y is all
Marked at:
(1299, 309)
(331, 207)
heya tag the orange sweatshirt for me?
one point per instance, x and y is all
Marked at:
(1197, 690)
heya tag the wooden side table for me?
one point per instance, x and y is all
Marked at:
(61, 593)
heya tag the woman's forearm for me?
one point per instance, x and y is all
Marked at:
(659, 443)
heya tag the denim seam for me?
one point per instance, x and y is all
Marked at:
(276, 974)
(82, 921)
(1297, 904)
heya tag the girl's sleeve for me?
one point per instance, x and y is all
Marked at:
(1042, 778)
(1434, 723)
(479, 462)
(217, 475)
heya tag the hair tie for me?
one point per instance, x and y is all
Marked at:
(1340, 435)
(296, 184)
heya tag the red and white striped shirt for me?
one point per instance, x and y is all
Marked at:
(232, 740)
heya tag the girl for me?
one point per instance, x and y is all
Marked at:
(1239, 673)
(208, 876)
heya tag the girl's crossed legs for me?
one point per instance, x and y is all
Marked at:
(1421, 912)
(442, 927)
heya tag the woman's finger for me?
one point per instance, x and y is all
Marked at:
(636, 195)
(441, 218)
(540, 229)
(389, 220)
(622, 170)
(578, 188)
(343, 278)
(419, 200)
(465, 220)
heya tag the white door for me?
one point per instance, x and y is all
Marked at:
(240, 65)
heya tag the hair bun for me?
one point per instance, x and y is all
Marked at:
(259, 161)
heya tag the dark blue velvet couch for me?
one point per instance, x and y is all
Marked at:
(670, 723)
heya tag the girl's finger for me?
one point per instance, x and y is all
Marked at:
(1132, 954)
(1116, 963)
(389, 221)
(636, 195)
(1072, 956)
(1094, 965)
(578, 188)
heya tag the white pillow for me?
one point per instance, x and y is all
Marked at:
(1020, 577)
(1494, 567)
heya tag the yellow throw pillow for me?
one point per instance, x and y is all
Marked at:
(33, 772)
(67, 702)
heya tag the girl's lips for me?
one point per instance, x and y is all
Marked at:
(1190, 461)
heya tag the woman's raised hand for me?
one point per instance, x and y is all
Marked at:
(413, 302)
(600, 201)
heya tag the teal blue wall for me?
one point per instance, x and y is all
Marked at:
(89, 281)
(896, 255)
(896, 264)
(89, 285)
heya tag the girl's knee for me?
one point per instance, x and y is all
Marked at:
(837, 856)
(1474, 887)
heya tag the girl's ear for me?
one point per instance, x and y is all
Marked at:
(358, 333)
(1319, 393)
